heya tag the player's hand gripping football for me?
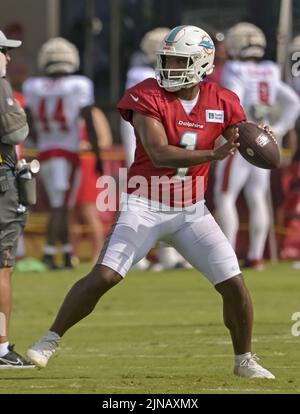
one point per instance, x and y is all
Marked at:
(264, 127)
(267, 129)
(229, 148)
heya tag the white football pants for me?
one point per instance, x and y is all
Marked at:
(197, 237)
(233, 174)
(61, 181)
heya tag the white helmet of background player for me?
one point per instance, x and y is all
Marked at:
(194, 44)
(151, 41)
(245, 40)
(58, 55)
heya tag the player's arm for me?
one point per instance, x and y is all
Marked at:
(162, 154)
(232, 79)
(289, 147)
(289, 109)
(87, 115)
(14, 127)
(31, 124)
(102, 127)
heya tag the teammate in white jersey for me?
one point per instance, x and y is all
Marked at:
(57, 101)
(290, 243)
(257, 83)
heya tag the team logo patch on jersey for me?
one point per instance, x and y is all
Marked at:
(262, 140)
(216, 116)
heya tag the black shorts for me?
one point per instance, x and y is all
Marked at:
(12, 224)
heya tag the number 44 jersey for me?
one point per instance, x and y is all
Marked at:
(55, 104)
(216, 109)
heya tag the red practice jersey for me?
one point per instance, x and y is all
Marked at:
(216, 109)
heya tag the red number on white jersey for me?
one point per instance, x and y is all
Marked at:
(264, 92)
(58, 115)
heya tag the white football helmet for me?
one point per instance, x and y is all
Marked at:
(245, 40)
(58, 55)
(151, 41)
(194, 44)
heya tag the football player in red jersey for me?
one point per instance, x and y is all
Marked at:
(177, 119)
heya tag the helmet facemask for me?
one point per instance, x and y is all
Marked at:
(188, 42)
(175, 79)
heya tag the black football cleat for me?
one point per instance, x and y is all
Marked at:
(13, 360)
(68, 261)
(48, 260)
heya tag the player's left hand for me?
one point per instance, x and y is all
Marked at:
(229, 148)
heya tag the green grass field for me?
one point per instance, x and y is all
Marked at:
(156, 333)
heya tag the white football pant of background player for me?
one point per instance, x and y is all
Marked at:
(258, 85)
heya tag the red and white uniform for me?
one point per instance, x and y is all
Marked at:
(55, 104)
(196, 236)
(259, 88)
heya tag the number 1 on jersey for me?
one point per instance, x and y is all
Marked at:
(189, 142)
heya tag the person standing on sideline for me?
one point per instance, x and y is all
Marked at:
(177, 119)
(13, 131)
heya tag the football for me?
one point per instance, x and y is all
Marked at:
(258, 146)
